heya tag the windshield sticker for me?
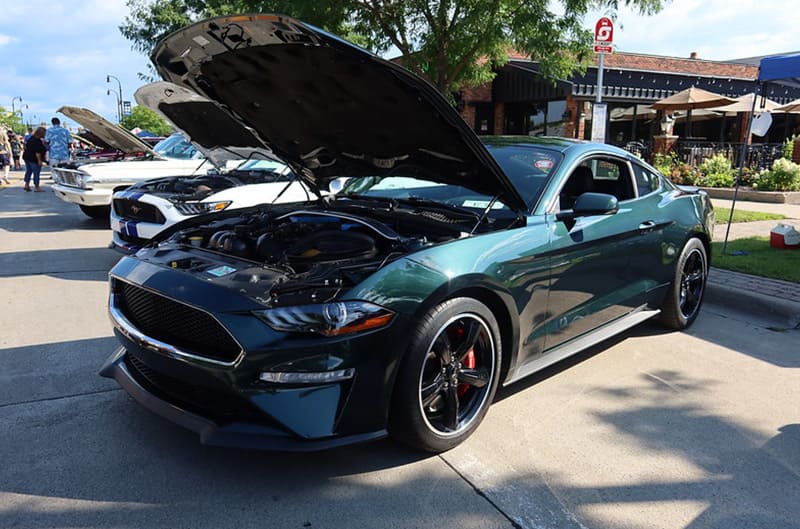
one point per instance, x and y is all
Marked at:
(544, 165)
(482, 204)
(221, 271)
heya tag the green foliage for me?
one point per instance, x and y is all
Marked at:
(784, 176)
(788, 147)
(452, 43)
(716, 171)
(8, 120)
(146, 119)
(671, 166)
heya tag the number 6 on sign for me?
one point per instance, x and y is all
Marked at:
(604, 31)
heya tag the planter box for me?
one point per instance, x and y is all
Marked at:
(745, 193)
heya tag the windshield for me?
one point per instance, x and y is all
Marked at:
(177, 147)
(528, 168)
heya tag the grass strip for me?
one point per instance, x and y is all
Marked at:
(761, 259)
(739, 215)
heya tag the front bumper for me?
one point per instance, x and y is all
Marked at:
(235, 434)
(83, 197)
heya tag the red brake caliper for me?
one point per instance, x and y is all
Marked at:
(469, 363)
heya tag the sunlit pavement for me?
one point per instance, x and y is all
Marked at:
(653, 429)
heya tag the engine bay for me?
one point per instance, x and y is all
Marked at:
(287, 256)
(193, 188)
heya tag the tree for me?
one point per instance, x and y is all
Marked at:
(13, 121)
(450, 42)
(146, 119)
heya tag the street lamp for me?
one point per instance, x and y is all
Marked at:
(13, 108)
(119, 99)
(119, 105)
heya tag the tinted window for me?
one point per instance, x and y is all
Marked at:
(646, 181)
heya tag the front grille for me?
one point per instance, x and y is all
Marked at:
(179, 325)
(130, 239)
(68, 177)
(215, 405)
(135, 210)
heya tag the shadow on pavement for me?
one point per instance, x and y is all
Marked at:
(76, 263)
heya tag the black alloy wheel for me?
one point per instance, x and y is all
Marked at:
(683, 301)
(449, 376)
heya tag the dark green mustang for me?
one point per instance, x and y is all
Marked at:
(444, 267)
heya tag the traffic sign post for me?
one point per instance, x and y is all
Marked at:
(603, 43)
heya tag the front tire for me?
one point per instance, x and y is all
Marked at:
(685, 296)
(448, 377)
(96, 212)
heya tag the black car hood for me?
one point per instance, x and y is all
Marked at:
(210, 128)
(325, 106)
(114, 135)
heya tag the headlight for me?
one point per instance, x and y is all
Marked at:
(84, 180)
(329, 319)
(198, 208)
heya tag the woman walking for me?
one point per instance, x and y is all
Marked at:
(34, 158)
(5, 155)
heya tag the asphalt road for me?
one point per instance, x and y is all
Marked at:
(653, 429)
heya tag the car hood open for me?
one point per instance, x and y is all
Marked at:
(326, 107)
(214, 131)
(114, 135)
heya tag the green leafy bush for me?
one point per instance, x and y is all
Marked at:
(671, 166)
(788, 147)
(784, 176)
(716, 171)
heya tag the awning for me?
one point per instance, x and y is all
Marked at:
(783, 68)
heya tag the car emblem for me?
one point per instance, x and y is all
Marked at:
(135, 209)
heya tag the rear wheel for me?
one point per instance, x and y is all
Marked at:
(96, 212)
(448, 377)
(682, 303)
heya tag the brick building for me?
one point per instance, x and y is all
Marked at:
(520, 101)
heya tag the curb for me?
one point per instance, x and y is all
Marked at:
(785, 311)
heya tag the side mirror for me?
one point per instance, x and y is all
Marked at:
(595, 204)
(587, 205)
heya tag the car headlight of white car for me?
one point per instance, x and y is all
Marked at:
(85, 181)
(198, 208)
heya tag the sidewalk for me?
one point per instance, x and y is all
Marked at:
(760, 295)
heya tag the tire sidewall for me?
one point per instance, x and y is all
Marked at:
(406, 421)
(690, 247)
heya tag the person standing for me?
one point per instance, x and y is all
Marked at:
(5, 155)
(58, 141)
(33, 156)
(16, 148)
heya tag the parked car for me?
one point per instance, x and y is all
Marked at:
(89, 183)
(245, 174)
(444, 268)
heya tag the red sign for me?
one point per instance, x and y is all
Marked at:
(604, 32)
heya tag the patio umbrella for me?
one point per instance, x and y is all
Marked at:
(690, 99)
(745, 104)
(626, 114)
(792, 107)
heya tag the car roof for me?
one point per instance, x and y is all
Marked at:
(553, 143)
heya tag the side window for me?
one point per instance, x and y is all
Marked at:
(646, 181)
(598, 175)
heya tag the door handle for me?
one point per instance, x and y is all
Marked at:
(647, 226)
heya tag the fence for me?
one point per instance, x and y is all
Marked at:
(693, 152)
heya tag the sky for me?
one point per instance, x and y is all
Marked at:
(58, 52)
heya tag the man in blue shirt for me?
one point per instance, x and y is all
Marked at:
(58, 141)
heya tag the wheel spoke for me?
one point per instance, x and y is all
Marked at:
(474, 377)
(694, 276)
(473, 329)
(432, 390)
(451, 407)
(443, 348)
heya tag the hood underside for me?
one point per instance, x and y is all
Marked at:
(113, 135)
(214, 131)
(326, 107)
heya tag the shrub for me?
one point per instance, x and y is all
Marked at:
(716, 171)
(788, 147)
(784, 176)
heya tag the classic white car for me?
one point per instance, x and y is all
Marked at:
(90, 183)
(246, 172)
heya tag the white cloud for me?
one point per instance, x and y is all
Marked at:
(6, 39)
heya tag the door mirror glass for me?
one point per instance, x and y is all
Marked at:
(589, 204)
